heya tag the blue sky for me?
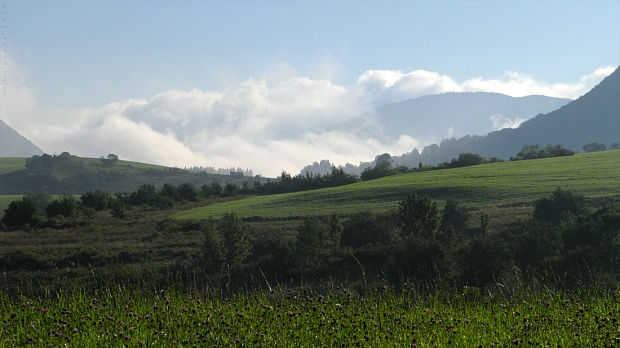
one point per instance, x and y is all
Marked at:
(77, 56)
(83, 53)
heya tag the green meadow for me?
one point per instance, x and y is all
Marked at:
(11, 164)
(493, 186)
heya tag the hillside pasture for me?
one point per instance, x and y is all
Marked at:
(495, 186)
(11, 164)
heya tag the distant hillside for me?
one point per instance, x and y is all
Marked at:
(442, 116)
(68, 174)
(594, 117)
(453, 114)
(13, 144)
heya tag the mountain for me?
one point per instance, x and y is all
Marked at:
(434, 117)
(13, 144)
(594, 117)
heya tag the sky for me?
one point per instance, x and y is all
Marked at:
(264, 84)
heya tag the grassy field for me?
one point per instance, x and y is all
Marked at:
(76, 175)
(497, 186)
(10, 164)
(287, 318)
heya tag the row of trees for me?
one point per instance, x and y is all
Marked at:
(536, 151)
(33, 210)
(384, 167)
(304, 182)
(594, 147)
(39, 211)
(421, 244)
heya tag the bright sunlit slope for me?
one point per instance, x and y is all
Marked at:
(495, 184)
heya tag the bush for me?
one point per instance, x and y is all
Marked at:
(561, 206)
(118, 208)
(418, 216)
(535, 151)
(454, 219)
(187, 192)
(367, 228)
(230, 189)
(215, 189)
(484, 259)
(145, 194)
(20, 260)
(169, 191)
(226, 243)
(594, 147)
(64, 206)
(21, 212)
(97, 200)
(467, 159)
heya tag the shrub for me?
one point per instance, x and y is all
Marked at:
(187, 192)
(20, 259)
(594, 147)
(561, 206)
(367, 228)
(454, 219)
(97, 200)
(118, 208)
(21, 212)
(145, 194)
(418, 216)
(64, 206)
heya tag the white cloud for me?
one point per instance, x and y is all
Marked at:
(388, 86)
(263, 124)
(266, 127)
(500, 121)
(17, 101)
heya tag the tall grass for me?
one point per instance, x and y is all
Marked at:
(305, 316)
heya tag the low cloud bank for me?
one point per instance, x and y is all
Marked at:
(265, 126)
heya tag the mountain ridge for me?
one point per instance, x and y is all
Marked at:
(439, 116)
(593, 117)
(13, 144)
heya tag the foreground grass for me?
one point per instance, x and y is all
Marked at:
(504, 185)
(295, 318)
